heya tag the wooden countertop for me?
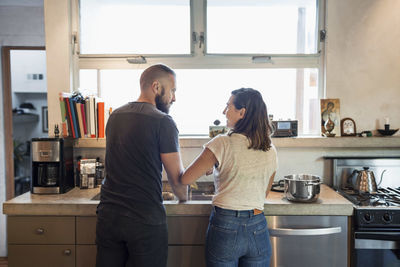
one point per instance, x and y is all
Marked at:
(77, 202)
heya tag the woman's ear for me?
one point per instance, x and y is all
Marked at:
(242, 112)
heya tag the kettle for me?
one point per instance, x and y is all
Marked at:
(365, 181)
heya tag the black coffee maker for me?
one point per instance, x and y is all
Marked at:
(52, 165)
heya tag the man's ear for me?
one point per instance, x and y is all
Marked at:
(155, 86)
(242, 112)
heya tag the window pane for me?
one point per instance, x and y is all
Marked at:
(265, 27)
(200, 101)
(88, 82)
(135, 27)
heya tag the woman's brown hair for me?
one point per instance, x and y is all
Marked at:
(255, 123)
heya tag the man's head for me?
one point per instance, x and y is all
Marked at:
(159, 82)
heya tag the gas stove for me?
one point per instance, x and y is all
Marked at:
(380, 209)
(375, 227)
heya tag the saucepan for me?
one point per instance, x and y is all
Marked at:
(302, 187)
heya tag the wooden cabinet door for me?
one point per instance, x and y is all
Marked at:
(184, 256)
(86, 230)
(41, 230)
(41, 255)
(189, 230)
(86, 255)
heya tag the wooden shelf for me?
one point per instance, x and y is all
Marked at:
(90, 142)
(298, 142)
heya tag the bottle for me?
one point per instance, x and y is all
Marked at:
(99, 172)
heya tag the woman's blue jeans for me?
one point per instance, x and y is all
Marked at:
(237, 238)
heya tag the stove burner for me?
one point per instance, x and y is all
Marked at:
(385, 197)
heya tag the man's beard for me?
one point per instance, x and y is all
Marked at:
(164, 107)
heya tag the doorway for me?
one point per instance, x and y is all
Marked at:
(25, 111)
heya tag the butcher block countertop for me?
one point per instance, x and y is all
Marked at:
(78, 202)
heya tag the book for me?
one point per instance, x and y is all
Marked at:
(93, 117)
(80, 121)
(87, 118)
(64, 127)
(69, 116)
(100, 116)
(74, 118)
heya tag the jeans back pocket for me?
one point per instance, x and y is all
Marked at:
(261, 238)
(221, 242)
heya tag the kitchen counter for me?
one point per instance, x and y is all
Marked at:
(77, 202)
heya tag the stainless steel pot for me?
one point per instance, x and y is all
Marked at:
(302, 187)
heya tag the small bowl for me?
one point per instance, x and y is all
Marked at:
(387, 132)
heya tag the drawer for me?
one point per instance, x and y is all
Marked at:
(86, 230)
(187, 230)
(183, 256)
(41, 255)
(41, 230)
(86, 255)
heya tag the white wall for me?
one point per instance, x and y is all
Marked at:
(363, 60)
(19, 26)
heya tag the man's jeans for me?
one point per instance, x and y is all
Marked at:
(123, 242)
(237, 238)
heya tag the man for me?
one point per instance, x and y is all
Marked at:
(141, 137)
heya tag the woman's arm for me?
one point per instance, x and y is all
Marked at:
(271, 180)
(204, 162)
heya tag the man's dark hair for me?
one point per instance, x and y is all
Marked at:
(255, 123)
(153, 73)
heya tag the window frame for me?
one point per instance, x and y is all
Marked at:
(199, 58)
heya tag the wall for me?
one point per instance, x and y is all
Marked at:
(363, 60)
(19, 26)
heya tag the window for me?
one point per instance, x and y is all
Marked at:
(135, 27)
(261, 27)
(271, 46)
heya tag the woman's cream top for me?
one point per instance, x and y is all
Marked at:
(243, 174)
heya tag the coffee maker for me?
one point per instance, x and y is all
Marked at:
(52, 165)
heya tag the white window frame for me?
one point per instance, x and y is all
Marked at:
(199, 59)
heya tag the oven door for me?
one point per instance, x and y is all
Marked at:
(379, 248)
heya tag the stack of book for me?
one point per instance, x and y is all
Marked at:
(82, 117)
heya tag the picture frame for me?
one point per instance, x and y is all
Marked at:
(45, 120)
(330, 108)
(348, 127)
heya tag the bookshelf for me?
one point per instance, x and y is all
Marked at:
(90, 142)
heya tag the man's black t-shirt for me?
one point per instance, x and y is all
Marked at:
(136, 134)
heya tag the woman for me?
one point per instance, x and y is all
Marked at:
(245, 163)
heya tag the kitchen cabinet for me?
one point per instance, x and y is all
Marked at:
(71, 241)
(41, 241)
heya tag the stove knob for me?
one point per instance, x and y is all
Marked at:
(387, 218)
(367, 217)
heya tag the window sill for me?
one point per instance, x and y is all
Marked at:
(297, 142)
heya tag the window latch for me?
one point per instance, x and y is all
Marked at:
(201, 39)
(322, 35)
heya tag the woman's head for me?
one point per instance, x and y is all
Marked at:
(247, 114)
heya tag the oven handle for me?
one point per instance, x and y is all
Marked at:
(390, 236)
(276, 232)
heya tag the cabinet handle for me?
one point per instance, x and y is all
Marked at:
(40, 231)
(67, 252)
(304, 232)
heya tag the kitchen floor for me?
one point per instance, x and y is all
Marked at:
(3, 262)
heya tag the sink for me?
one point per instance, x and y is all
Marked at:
(96, 197)
(201, 197)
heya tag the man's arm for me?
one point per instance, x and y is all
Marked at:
(174, 168)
